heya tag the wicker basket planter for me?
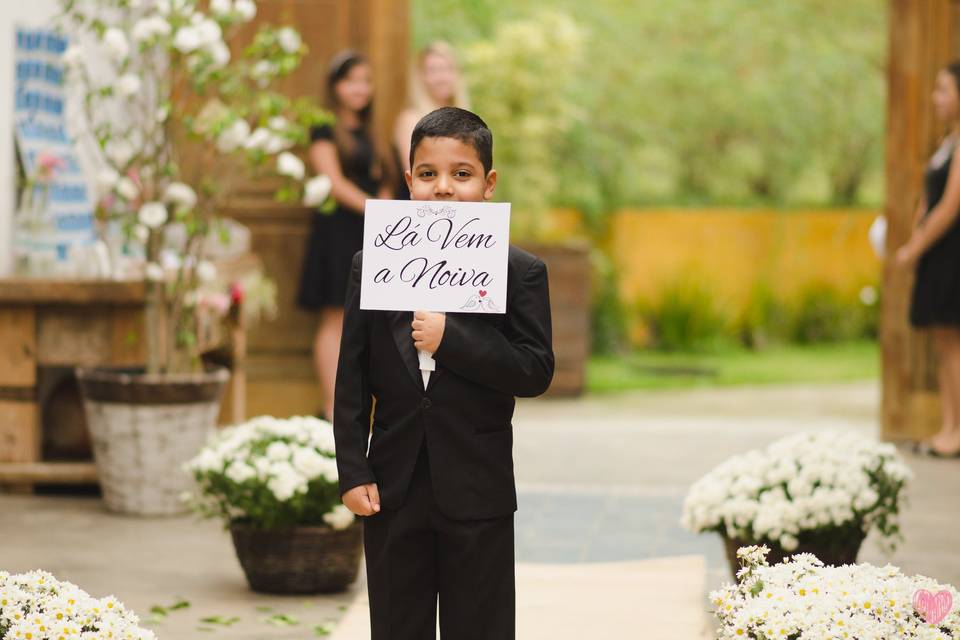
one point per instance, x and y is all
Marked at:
(833, 547)
(299, 560)
(144, 428)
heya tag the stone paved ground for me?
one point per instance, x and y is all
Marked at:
(600, 479)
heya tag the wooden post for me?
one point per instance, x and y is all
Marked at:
(923, 37)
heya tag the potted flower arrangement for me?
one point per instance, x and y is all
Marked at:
(37, 605)
(802, 598)
(273, 482)
(175, 113)
(818, 493)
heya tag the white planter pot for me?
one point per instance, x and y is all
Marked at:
(143, 429)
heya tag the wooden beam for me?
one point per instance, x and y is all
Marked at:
(49, 472)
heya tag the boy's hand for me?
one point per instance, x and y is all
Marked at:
(428, 330)
(363, 500)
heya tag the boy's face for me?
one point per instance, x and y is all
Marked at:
(447, 169)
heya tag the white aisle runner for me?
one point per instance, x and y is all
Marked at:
(658, 599)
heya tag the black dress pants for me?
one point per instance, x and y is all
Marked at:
(416, 555)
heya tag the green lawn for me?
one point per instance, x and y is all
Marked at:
(779, 364)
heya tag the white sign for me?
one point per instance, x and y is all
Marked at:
(436, 255)
(66, 217)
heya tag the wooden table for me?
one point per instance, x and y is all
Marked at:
(49, 323)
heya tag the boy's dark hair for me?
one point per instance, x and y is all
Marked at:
(463, 125)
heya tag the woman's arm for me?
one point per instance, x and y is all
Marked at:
(932, 228)
(918, 214)
(324, 160)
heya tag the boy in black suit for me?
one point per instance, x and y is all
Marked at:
(436, 486)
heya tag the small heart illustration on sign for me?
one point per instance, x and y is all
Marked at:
(933, 608)
(482, 293)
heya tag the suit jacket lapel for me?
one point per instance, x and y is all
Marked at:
(401, 329)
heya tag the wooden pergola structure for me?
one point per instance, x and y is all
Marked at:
(924, 35)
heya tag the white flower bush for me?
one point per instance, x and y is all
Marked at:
(801, 486)
(271, 473)
(801, 599)
(37, 606)
(170, 119)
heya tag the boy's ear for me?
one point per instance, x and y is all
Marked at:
(491, 184)
(408, 176)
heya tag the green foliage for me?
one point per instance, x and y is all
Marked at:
(686, 317)
(523, 76)
(694, 102)
(822, 314)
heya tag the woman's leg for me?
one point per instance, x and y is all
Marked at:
(326, 351)
(941, 343)
(948, 441)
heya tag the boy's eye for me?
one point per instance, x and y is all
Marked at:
(425, 174)
(462, 173)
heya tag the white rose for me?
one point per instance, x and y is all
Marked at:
(246, 9)
(107, 179)
(316, 190)
(290, 165)
(127, 188)
(128, 85)
(240, 472)
(181, 195)
(263, 70)
(153, 272)
(278, 123)
(258, 139)
(187, 39)
(206, 271)
(221, 7)
(278, 451)
(152, 214)
(140, 232)
(289, 39)
(234, 136)
(116, 43)
(220, 54)
(73, 55)
(119, 151)
(209, 32)
(340, 517)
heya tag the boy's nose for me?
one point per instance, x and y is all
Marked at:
(443, 188)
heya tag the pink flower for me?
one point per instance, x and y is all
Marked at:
(218, 302)
(48, 164)
(237, 293)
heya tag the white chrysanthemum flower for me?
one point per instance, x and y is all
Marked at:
(188, 39)
(127, 188)
(107, 179)
(220, 53)
(140, 232)
(152, 214)
(206, 271)
(116, 43)
(234, 136)
(128, 85)
(246, 9)
(340, 517)
(221, 7)
(316, 190)
(120, 151)
(73, 55)
(290, 165)
(181, 195)
(289, 39)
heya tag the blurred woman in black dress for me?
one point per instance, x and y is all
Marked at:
(358, 168)
(934, 250)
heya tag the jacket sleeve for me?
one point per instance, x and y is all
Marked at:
(517, 360)
(352, 397)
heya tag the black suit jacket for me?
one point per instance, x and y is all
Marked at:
(483, 362)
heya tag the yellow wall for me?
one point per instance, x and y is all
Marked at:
(733, 250)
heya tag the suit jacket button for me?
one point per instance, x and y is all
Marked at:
(425, 403)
